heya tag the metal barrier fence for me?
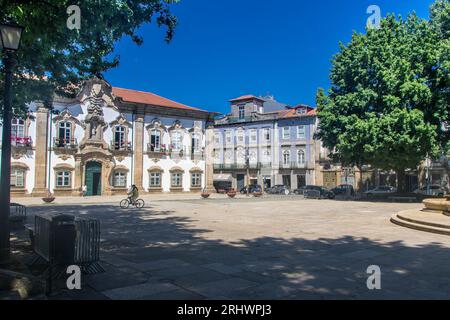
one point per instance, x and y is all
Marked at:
(62, 239)
(17, 215)
(87, 245)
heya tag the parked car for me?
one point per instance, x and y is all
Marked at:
(380, 190)
(223, 186)
(301, 190)
(318, 192)
(432, 190)
(251, 188)
(279, 189)
(343, 189)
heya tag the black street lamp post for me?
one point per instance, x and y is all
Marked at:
(9, 44)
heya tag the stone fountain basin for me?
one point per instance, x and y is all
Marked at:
(437, 204)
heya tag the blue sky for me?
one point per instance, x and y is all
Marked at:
(226, 48)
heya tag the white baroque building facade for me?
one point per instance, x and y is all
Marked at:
(106, 140)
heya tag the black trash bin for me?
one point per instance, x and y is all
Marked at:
(55, 236)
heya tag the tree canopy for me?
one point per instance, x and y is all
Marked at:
(55, 59)
(390, 93)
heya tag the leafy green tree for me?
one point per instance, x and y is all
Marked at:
(55, 59)
(389, 94)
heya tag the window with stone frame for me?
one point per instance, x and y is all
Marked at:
(18, 177)
(301, 156)
(266, 134)
(17, 128)
(196, 179)
(155, 140)
(240, 134)
(177, 141)
(229, 137)
(63, 179)
(253, 136)
(176, 179)
(120, 137)
(155, 179)
(241, 112)
(301, 132)
(64, 133)
(286, 157)
(120, 179)
(286, 133)
(196, 142)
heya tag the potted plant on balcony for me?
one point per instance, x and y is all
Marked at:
(205, 194)
(231, 193)
(48, 198)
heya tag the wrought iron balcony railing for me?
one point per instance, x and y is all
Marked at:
(21, 141)
(65, 143)
(121, 146)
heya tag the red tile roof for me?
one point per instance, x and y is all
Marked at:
(246, 97)
(135, 96)
(291, 113)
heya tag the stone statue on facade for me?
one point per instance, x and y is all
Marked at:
(94, 119)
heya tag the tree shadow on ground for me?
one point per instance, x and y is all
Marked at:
(145, 245)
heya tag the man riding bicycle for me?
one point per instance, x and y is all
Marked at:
(133, 194)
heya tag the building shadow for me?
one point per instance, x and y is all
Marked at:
(258, 268)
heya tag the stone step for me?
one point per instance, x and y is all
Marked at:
(428, 219)
(396, 219)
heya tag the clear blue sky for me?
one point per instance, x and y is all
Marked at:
(226, 48)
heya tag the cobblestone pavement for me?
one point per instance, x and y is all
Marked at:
(270, 248)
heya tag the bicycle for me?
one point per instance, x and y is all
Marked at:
(125, 203)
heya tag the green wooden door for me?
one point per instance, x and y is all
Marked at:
(93, 178)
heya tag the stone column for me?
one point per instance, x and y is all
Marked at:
(209, 160)
(40, 160)
(78, 177)
(138, 150)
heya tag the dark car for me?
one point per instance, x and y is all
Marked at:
(317, 192)
(222, 186)
(251, 188)
(279, 189)
(301, 190)
(343, 189)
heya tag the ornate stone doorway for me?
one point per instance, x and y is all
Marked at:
(93, 178)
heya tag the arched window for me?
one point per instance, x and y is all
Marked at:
(301, 157)
(64, 133)
(286, 157)
(119, 138)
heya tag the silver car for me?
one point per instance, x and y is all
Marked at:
(380, 190)
(432, 190)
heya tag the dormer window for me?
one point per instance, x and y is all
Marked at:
(241, 112)
(301, 111)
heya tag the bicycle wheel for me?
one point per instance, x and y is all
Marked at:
(140, 203)
(124, 204)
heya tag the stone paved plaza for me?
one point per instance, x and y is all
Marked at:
(269, 248)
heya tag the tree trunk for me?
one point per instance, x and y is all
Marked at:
(401, 180)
